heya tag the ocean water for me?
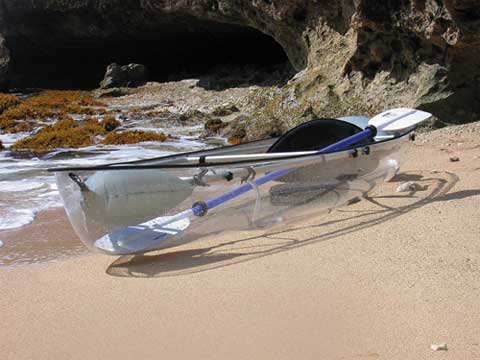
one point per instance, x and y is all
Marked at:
(26, 188)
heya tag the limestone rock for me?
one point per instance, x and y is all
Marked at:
(408, 186)
(113, 92)
(439, 347)
(225, 109)
(213, 126)
(355, 57)
(131, 75)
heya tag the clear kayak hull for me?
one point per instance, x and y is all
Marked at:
(100, 202)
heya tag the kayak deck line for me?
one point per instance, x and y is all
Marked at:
(223, 160)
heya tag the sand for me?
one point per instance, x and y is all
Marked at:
(380, 279)
(50, 237)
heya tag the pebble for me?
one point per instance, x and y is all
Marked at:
(1, 243)
(438, 347)
(408, 187)
(454, 158)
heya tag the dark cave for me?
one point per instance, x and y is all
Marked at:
(220, 55)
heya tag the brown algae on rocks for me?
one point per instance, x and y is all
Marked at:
(213, 126)
(66, 133)
(8, 101)
(133, 137)
(110, 123)
(22, 116)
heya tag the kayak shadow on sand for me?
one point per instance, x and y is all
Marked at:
(219, 252)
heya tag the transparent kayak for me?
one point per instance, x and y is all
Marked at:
(134, 207)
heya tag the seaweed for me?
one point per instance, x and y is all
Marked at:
(66, 133)
(61, 98)
(133, 137)
(23, 116)
(46, 141)
(233, 140)
(7, 101)
(110, 123)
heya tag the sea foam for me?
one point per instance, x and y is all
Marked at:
(26, 188)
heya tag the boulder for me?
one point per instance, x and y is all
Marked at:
(213, 127)
(131, 75)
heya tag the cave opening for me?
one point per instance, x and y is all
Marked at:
(220, 55)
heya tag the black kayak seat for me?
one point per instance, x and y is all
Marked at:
(314, 135)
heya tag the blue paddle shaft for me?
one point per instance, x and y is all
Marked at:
(199, 210)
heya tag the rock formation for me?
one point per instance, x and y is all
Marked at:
(130, 75)
(352, 56)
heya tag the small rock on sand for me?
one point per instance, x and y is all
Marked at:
(1, 243)
(454, 158)
(439, 347)
(408, 187)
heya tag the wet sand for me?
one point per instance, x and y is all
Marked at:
(381, 279)
(49, 238)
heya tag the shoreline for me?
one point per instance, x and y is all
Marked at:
(56, 239)
(48, 238)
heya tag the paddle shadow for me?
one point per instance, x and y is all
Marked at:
(227, 253)
(404, 177)
(458, 195)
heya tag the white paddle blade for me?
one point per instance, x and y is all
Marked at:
(400, 119)
(143, 237)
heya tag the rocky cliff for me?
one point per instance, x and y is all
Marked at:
(352, 56)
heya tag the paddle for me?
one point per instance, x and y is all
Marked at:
(146, 236)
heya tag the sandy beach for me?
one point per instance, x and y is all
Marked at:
(383, 278)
